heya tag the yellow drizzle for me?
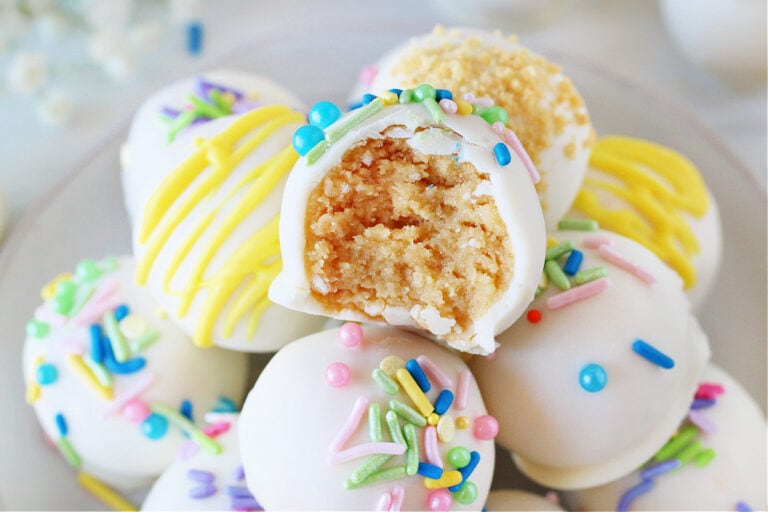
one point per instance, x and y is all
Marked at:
(658, 185)
(245, 277)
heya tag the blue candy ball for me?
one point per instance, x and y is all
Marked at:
(323, 114)
(593, 377)
(306, 138)
(154, 426)
(46, 374)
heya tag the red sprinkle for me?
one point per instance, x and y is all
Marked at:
(709, 391)
(534, 316)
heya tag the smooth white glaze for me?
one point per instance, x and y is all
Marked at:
(563, 436)
(509, 500)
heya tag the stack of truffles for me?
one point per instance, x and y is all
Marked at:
(455, 260)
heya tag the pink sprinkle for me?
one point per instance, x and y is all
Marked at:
(368, 75)
(363, 450)
(136, 410)
(483, 102)
(439, 500)
(52, 318)
(498, 128)
(351, 335)
(385, 500)
(398, 496)
(462, 390)
(101, 302)
(578, 293)
(552, 497)
(337, 375)
(430, 447)
(448, 106)
(469, 97)
(612, 256)
(216, 429)
(361, 404)
(596, 241)
(142, 383)
(709, 390)
(485, 427)
(434, 371)
(72, 347)
(702, 422)
(511, 139)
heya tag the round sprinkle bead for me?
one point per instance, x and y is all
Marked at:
(351, 335)
(406, 96)
(467, 494)
(458, 457)
(443, 94)
(62, 304)
(593, 377)
(433, 419)
(485, 427)
(46, 374)
(494, 115)
(502, 154)
(66, 288)
(37, 329)
(306, 138)
(439, 500)
(423, 92)
(462, 422)
(391, 364)
(464, 107)
(389, 98)
(337, 375)
(446, 428)
(534, 316)
(136, 411)
(448, 106)
(498, 128)
(87, 270)
(367, 98)
(154, 426)
(323, 114)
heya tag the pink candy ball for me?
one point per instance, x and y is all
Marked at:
(351, 335)
(337, 375)
(485, 427)
(439, 500)
(136, 411)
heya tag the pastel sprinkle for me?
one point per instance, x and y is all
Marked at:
(68, 452)
(351, 335)
(385, 382)
(101, 302)
(628, 497)
(559, 249)
(349, 427)
(37, 329)
(556, 275)
(742, 506)
(340, 128)
(462, 389)
(185, 409)
(443, 94)
(394, 427)
(385, 500)
(75, 362)
(439, 500)
(136, 411)
(406, 96)
(458, 456)
(466, 471)
(447, 480)
(201, 476)
(467, 493)
(433, 419)
(244, 504)
(104, 493)
(448, 106)
(502, 154)
(578, 293)
(398, 496)
(573, 263)
(702, 422)
(365, 450)
(237, 491)
(578, 224)
(185, 425)
(132, 325)
(704, 457)
(434, 371)
(654, 470)
(46, 374)
(597, 241)
(688, 453)
(434, 110)
(374, 422)
(593, 378)
(653, 354)
(431, 451)
(103, 376)
(462, 422)
(369, 467)
(709, 390)
(225, 405)
(216, 429)
(676, 443)
(430, 470)
(194, 38)
(464, 107)
(117, 340)
(200, 492)
(307, 137)
(702, 403)
(141, 343)
(391, 364)
(121, 312)
(413, 391)
(514, 142)
(408, 413)
(590, 274)
(141, 384)
(612, 256)
(337, 375)
(61, 425)
(494, 114)
(384, 475)
(83, 295)
(96, 337)
(485, 427)
(446, 428)
(414, 368)
(412, 452)
(323, 114)
(443, 401)
(154, 426)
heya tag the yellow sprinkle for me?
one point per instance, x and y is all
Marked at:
(446, 429)
(464, 107)
(160, 312)
(104, 493)
(551, 241)
(49, 290)
(414, 392)
(228, 97)
(462, 422)
(77, 364)
(391, 364)
(33, 392)
(449, 479)
(543, 281)
(389, 98)
(433, 419)
(133, 326)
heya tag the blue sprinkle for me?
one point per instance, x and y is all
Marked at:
(414, 368)
(121, 312)
(573, 263)
(466, 471)
(307, 137)
(653, 354)
(46, 374)
(593, 377)
(194, 38)
(501, 152)
(186, 410)
(354, 106)
(660, 468)
(430, 470)
(247, 503)
(154, 426)
(368, 97)
(240, 473)
(237, 491)
(124, 368)
(61, 425)
(225, 405)
(443, 401)
(202, 491)
(201, 476)
(743, 507)
(323, 114)
(443, 94)
(641, 488)
(396, 91)
(702, 403)
(97, 346)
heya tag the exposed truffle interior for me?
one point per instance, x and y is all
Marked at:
(390, 226)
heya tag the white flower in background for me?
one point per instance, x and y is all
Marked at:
(101, 15)
(112, 51)
(54, 109)
(27, 73)
(145, 35)
(52, 27)
(120, 66)
(184, 11)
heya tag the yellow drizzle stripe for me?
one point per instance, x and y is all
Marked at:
(657, 185)
(243, 280)
(104, 493)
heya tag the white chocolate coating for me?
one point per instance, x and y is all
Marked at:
(175, 488)
(562, 163)
(110, 446)
(563, 436)
(509, 499)
(292, 416)
(736, 474)
(510, 186)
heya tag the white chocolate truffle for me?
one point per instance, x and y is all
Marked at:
(410, 218)
(545, 110)
(733, 430)
(107, 375)
(597, 377)
(509, 499)
(201, 480)
(314, 426)
(150, 130)
(655, 196)
(206, 241)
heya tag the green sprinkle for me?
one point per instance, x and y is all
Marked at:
(467, 493)
(87, 270)
(590, 274)
(689, 452)
(408, 413)
(66, 289)
(703, 458)
(406, 96)
(68, 452)
(394, 428)
(424, 92)
(560, 249)
(458, 456)
(62, 304)
(556, 275)
(109, 264)
(385, 475)
(374, 422)
(578, 224)
(314, 154)
(495, 114)
(141, 343)
(183, 120)
(205, 109)
(83, 295)
(367, 468)
(412, 452)
(385, 382)
(37, 329)
(675, 444)
(173, 416)
(220, 102)
(340, 128)
(116, 339)
(99, 371)
(434, 110)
